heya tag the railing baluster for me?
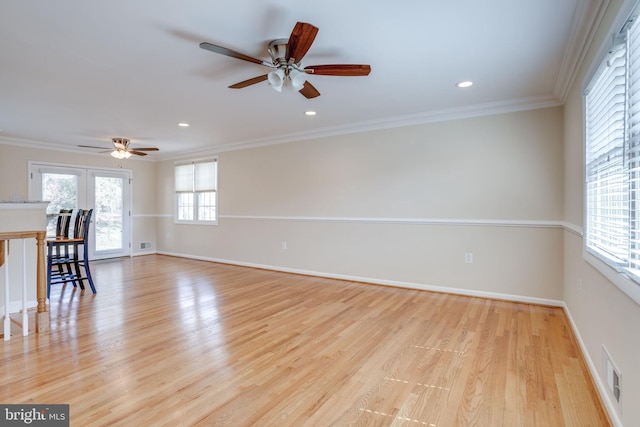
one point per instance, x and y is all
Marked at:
(42, 315)
(7, 319)
(25, 315)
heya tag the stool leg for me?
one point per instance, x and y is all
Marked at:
(49, 267)
(88, 270)
(76, 266)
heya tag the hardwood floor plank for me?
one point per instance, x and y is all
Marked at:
(170, 341)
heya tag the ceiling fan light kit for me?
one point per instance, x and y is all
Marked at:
(286, 56)
(276, 79)
(120, 154)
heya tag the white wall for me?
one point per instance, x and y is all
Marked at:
(399, 206)
(602, 314)
(402, 206)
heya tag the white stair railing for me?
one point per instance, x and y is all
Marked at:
(7, 299)
(42, 315)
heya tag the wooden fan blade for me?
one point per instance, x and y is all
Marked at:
(137, 153)
(249, 82)
(232, 53)
(93, 146)
(339, 70)
(300, 41)
(120, 143)
(146, 149)
(309, 91)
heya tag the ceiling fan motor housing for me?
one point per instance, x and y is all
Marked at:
(278, 52)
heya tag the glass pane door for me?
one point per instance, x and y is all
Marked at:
(63, 188)
(108, 193)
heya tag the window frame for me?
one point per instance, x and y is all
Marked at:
(626, 279)
(195, 208)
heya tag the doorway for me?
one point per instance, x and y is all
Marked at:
(107, 192)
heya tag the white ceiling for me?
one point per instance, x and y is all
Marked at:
(80, 72)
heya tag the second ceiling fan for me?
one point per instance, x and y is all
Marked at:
(286, 56)
(122, 150)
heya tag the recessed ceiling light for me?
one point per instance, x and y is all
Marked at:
(310, 113)
(183, 125)
(464, 84)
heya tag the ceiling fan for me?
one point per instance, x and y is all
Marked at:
(286, 56)
(121, 149)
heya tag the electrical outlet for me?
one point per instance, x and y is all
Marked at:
(284, 245)
(468, 258)
(579, 286)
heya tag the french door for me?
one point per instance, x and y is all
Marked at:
(107, 192)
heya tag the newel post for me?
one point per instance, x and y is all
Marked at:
(42, 315)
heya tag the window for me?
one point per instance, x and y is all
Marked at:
(612, 156)
(196, 191)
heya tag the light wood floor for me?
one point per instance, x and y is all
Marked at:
(169, 341)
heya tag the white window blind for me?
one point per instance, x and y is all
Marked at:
(184, 177)
(612, 155)
(196, 176)
(606, 187)
(633, 145)
(196, 191)
(205, 176)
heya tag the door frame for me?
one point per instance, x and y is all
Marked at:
(88, 174)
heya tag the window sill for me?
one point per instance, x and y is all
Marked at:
(622, 281)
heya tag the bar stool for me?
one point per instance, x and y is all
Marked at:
(77, 269)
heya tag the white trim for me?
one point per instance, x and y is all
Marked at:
(374, 281)
(471, 111)
(623, 282)
(61, 171)
(623, 15)
(602, 389)
(573, 228)
(585, 23)
(628, 286)
(409, 221)
(151, 252)
(478, 110)
(44, 145)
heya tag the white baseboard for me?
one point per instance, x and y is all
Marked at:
(600, 386)
(374, 281)
(150, 252)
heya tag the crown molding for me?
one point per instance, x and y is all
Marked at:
(477, 110)
(43, 145)
(585, 23)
